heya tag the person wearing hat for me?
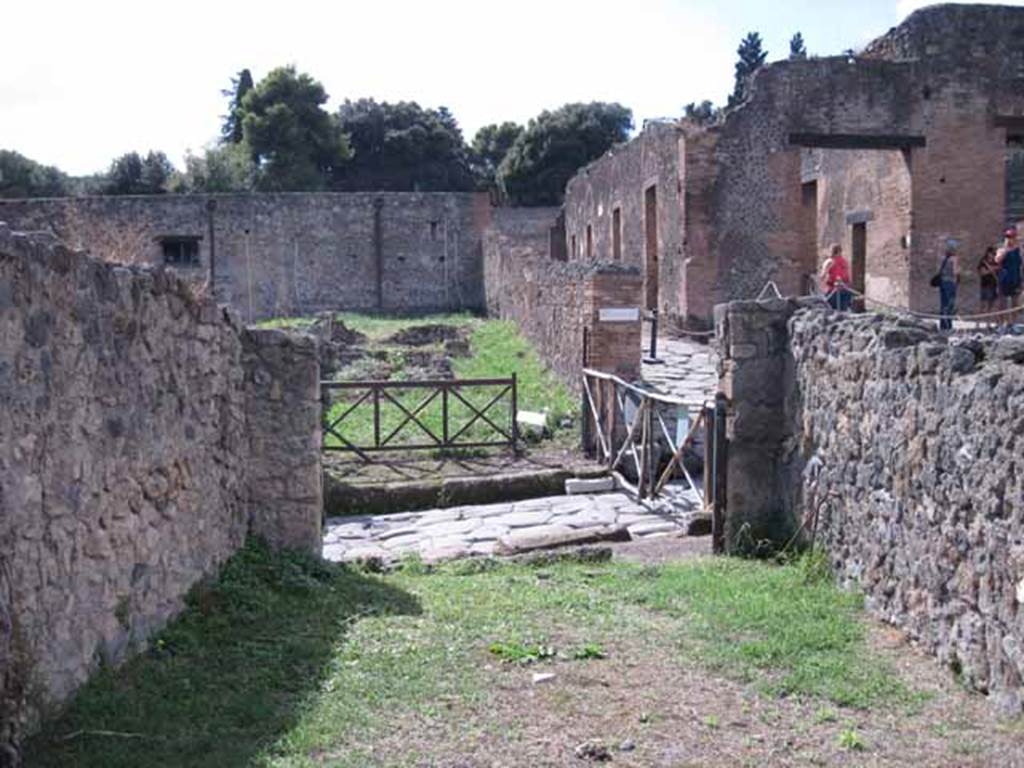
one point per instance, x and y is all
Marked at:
(1009, 260)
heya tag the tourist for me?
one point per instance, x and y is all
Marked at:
(1008, 258)
(947, 279)
(835, 279)
(988, 271)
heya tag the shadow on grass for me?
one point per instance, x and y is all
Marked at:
(230, 677)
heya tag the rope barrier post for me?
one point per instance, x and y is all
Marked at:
(652, 359)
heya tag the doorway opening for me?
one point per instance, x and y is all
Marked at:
(858, 262)
(651, 252)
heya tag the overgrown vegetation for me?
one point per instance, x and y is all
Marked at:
(287, 661)
(497, 350)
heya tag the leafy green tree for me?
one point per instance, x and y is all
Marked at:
(22, 177)
(556, 144)
(797, 49)
(227, 168)
(231, 128)
(295, 143)
(705, 113)
(403, 146)
(490, 145)
(132, 174)
(751, 58)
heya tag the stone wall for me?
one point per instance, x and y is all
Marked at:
(894, 443)
(553, 301)
(140, 433)
(292, 253)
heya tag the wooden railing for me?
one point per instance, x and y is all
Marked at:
(370, 416)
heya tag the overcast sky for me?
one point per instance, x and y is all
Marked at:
(82, 82)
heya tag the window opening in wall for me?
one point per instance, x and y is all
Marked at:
(651, 246)
(572, 247)
(617, 234)
(590, 243)
(180, 250)
(1014, 179)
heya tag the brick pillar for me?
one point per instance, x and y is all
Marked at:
(756, 374)
(611, 312)
(284, 476)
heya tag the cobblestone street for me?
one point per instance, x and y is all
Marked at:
(442, 534)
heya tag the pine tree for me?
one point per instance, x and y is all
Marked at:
(231, 129)
(751, 58)
(797, 49)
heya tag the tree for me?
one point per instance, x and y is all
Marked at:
(556, 144)
(295, 143)
(490, 145)
(403, 147)
(751, 58)
(231, 128)
(132, 174)
(705, 113)
(797, 49)
(227, 168)
(22, 177)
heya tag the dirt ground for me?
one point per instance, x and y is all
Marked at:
(647, 706)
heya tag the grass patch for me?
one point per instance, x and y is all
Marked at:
(497, 350)
(378, 328)
(773, 625)
(288, 662)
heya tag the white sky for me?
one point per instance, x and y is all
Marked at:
(82, 82)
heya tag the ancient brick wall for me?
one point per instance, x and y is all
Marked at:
(139, 425)
(296, 253)
(612, 194)
(892, 443)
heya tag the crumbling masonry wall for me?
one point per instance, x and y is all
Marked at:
(555, 302)
(894, 445)
(141, 438)
(292, 254)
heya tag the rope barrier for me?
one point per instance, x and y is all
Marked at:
(929, 315)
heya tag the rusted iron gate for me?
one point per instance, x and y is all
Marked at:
(622, 421)
(373, 395)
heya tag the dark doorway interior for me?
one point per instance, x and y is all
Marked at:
(651, 238)
(858, 261)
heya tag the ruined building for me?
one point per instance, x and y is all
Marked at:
(890, 152)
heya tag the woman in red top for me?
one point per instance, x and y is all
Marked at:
(835, 278)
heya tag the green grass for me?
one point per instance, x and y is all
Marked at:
(787, 628)
(497, 350)
(290, 662)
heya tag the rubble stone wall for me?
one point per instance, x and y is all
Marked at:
(141, 438)
(291, 254)
(900, 448)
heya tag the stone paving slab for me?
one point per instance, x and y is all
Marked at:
(441, 534)
(688, 371)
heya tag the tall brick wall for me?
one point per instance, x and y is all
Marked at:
(143, 434)
(890, 442)
(619, 181)
(294, 253)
